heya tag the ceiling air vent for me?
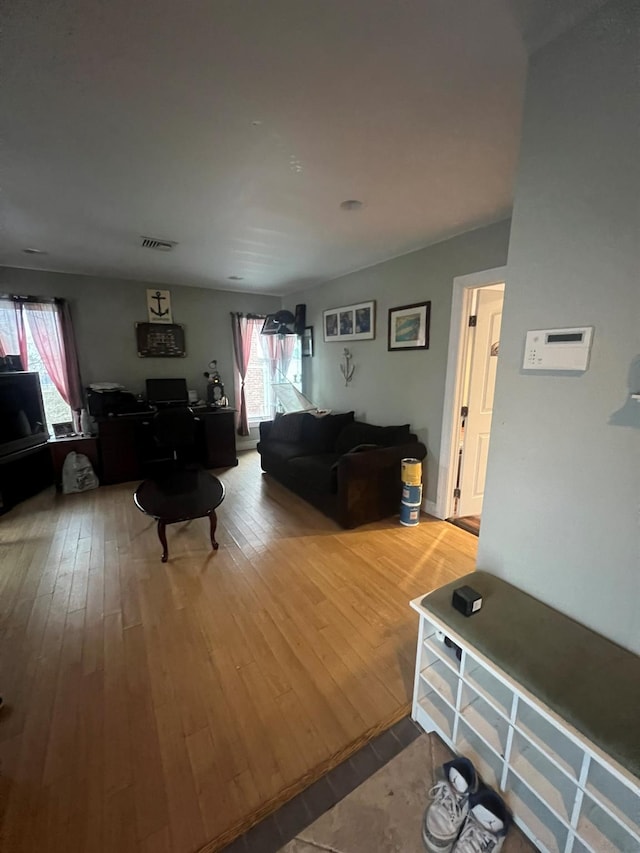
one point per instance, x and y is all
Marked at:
(159, 245)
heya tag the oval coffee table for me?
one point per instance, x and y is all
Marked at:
(180, 496)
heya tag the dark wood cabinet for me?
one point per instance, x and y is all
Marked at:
(219, 427)
(24, 474)
(127, 444)
(122, 447)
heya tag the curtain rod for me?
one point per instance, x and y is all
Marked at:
(47, 300)
(248, 316)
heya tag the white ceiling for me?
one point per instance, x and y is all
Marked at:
(236, 128)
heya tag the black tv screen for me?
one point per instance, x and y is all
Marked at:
(22, 419)
(167, 391)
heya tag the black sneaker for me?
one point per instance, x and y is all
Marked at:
(486, 826)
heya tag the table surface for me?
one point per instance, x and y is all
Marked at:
(180, 495)
(67, 438)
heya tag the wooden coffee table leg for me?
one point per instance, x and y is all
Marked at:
(162, 536)
(213, 523)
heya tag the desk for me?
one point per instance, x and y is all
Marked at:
(127, 443)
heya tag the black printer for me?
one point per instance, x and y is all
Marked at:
(102, 404)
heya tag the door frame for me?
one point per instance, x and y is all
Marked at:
(463, 285)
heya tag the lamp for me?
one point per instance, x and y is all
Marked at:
(281, 323)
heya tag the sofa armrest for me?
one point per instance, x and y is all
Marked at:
(265, 429)
(369, 483)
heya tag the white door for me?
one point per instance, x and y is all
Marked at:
(482, 380)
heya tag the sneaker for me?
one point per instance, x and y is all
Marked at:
(450, 805)
(486, 826)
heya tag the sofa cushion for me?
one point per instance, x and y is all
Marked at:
(281, 451)
(319, 433)
(358, 433)
(287, 427)
(317, 472)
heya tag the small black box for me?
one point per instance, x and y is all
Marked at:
(466, 600)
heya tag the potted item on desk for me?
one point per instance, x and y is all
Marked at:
(215, 388)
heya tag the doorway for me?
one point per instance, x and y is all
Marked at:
(474, 347)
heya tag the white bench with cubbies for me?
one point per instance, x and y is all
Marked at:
(566, 795)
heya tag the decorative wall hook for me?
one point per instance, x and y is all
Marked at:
(346, 367)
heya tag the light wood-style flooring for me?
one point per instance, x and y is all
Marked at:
(155, 708)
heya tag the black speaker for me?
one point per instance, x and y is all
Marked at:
(301, 319)
(466, 600)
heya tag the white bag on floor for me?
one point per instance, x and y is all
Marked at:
(77, 474)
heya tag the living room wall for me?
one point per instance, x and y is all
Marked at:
(104, 312)
(560, 516)
(397, 387)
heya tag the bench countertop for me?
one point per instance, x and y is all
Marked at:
(588, 680)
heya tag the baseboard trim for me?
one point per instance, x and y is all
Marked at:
(247, 444)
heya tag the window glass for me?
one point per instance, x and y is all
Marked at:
(257, 383)
(258, 390)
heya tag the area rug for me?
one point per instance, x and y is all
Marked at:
(385, 812)
(374, 801)
(470, 523)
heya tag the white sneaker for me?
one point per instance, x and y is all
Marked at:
(450, 805)
(486, 826)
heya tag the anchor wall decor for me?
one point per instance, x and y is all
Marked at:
(159, 306)
(346, 368)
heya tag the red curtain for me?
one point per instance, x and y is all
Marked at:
(279, 350)
(52, 331)
(287, 345)
(44, 323)
(241, 328)
(270, 350)
(13, 340)
(71, 362)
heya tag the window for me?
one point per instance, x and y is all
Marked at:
(294, 372)
(257, 383)
(39, 331)
(272, 359)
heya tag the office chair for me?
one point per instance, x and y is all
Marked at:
(174, 436)
(175, 428)
(179, 489)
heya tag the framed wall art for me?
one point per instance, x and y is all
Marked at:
(159, 306)
(64, 430)
(409, 326)
(351, 323)
(160, 341)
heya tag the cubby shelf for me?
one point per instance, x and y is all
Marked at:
(565, 795)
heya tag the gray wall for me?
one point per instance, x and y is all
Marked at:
(397, 387)
(105, 310)
(563, 489)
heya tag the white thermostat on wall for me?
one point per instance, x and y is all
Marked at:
(558, 349)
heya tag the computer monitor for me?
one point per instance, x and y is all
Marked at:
(167, 391)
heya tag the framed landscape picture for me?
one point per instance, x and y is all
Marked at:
(409, 326)
(351, 323)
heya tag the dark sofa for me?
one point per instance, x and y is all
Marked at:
(347, 469)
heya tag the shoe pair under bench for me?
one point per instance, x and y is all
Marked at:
(464, 815)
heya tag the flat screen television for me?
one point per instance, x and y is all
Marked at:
(22, 420)
(167, 392)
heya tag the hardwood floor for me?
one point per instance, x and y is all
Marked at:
(153, 707)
